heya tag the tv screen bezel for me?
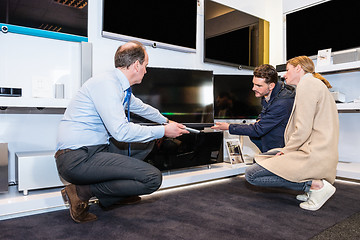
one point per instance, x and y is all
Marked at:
(151, 42)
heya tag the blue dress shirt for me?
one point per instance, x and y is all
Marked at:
(97, 112)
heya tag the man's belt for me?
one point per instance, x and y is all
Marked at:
(62, 151)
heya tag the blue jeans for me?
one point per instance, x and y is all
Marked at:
(259, 176)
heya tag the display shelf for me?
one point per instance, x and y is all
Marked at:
(33, 102)
(15, 204)
(339, 68)
(350, 170)
(348, 106)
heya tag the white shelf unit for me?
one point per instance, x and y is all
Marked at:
(342, 68)
(348, 106)
(349, 170)
(339, 68)
(345, 169)
(33, 102)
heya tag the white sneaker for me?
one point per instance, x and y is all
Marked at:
(303, 197)
(317, 198)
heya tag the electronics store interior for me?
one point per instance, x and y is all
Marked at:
(199, 73)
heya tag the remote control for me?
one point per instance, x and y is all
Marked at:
(192, 130)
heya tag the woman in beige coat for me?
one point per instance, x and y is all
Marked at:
(310, 156)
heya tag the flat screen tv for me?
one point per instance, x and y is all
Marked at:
(65, 20)
(327, 25)
(232, 37)
(182, 95)
(229, 48)
(234, 98)
(160, 23)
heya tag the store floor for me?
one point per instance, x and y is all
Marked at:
(226, 209)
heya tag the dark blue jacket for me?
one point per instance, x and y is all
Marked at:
(268, 131)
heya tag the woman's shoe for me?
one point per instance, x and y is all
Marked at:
(317, 198)
(303, 197)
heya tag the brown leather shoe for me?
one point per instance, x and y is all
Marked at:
(78, 208)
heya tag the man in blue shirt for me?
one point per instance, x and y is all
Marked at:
(277, 100)
(94, 116)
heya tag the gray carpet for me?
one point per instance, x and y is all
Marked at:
(230, 209)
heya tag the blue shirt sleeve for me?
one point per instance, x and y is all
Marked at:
(274, 115)
(97, 112)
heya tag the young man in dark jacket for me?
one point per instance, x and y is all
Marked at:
(277, 101)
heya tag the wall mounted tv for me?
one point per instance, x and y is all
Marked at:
(58, 19)
(331, 24)
(234, 98)
(160, 23)
(182, 95)
(234, 38)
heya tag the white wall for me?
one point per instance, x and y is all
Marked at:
(25, 57)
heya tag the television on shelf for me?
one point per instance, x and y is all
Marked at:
(182, 95)
(326, 25)
(57, 19)
(160, 23)
(234, 98)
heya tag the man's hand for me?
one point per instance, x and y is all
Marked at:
(221, 126)
(174, 129)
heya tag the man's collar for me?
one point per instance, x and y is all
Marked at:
(124, 82)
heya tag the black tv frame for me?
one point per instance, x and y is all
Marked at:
(160, 24)
(325, 25)
(165, 89)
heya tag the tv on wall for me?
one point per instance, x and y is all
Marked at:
(160, 23)
(182, 95)
(232, 37)
(331, 24)
(234, 97)
(58, 19)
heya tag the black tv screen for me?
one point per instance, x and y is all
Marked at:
(182, 95)
(234, 98)
(70, 17)
(232, 37)
(229, 48)
(326, 25)
(167, 24)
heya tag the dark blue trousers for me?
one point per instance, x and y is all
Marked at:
(111, 174)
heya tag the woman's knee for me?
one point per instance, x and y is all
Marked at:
(250, 173)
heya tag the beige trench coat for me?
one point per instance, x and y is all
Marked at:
(311, 136)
